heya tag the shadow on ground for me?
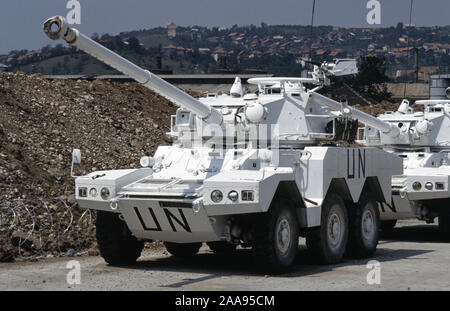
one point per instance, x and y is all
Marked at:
(422, 233)
(241, 263)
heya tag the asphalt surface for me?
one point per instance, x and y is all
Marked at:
(412, 257)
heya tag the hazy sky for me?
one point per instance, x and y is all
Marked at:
(21, 20)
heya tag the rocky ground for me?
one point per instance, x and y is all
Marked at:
(114, 124)
(41, 121)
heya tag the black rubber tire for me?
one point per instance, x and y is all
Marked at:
(182, 250)
(317, 240)
(444, 222)
(362, 245)
(221, 247)
(388, 225)
(269, 257)
(116, 243)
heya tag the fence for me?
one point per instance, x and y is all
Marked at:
(43, 228)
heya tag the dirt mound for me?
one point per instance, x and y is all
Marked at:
(41, 121)
(377, 109)
(113, 124)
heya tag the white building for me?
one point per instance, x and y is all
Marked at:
(3, 67)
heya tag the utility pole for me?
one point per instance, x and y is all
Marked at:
(311, 30)
(416, 67)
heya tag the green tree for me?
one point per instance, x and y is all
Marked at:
(371, 78)
(134, 45)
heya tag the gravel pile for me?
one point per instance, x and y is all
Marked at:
(377, 109)
(113, 124)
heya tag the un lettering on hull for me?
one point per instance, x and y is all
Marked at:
(147, 219)
(356, 163)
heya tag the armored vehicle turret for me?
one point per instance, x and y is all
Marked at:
(256, 170)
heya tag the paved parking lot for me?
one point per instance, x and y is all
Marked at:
(413, 257)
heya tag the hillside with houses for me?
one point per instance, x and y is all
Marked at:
(410, 52)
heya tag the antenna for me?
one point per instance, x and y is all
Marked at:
(311, 30)
(407, 47)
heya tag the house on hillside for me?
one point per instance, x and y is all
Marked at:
(254, 54)
(171, 30)
(426, 71)
(3, 67)
(321, 54)
(181, 51)
(204, 50)
(169, 50)
(218, 53)
(337, 53)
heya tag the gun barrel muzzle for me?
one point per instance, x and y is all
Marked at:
(57, 28)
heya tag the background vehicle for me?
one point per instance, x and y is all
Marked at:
(423, 143)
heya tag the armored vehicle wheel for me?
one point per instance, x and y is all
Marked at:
(182, 249)
(388, 225)
(444, 222)
(116, 243)
(275, 237)
(329, 241)
(222, 247)
(364, 227)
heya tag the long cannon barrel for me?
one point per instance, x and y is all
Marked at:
(385, 127)
(57, 28)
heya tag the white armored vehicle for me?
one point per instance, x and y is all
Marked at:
(423, 142)
(257, 170)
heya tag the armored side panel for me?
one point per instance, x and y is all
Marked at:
(345, 171)
(158, 206)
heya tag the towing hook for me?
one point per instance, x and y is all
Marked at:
(114, 204)
(402, 192)
(197, 206)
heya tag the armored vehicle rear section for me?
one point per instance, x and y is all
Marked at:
(245, 169)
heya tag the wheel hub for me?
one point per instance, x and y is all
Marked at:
(334, 229)
(283, 236)
(368, 225)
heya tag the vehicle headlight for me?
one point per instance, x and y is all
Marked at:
(216, 196)
(429, 186)
(147, 161)
(233, 195)
(105, 193)
(417, 186)
(93, 192)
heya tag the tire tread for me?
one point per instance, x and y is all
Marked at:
(116, 243)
